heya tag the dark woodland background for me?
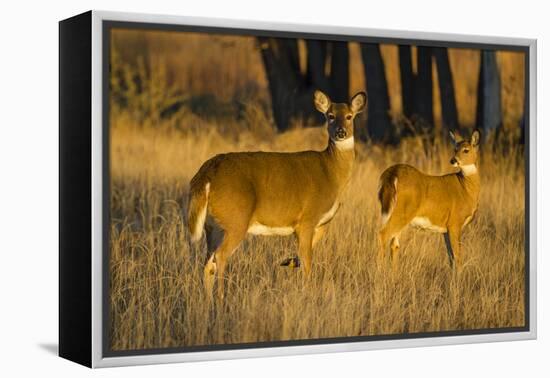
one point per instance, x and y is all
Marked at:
(411, 89)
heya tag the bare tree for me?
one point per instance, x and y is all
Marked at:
(379, 125)
(446, 88)
(407, 80)
(282, 66)
(291, 90)
(489, 111)
(316, 62)
(523, 122)
(417, 90)
(424, 89)
(339, 72)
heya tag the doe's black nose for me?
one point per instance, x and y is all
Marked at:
(341, 133)
(453, 161)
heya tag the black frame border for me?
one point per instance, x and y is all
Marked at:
(106, 28)
(75, 188)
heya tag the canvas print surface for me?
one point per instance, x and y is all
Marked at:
(265, 190)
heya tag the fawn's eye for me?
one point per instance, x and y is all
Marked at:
(466, 150)
(331, 117)
(348, 117)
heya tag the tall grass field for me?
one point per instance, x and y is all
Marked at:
(156, 294)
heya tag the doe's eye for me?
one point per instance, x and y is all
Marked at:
(466, 150)
(348, 117)
(331, 117)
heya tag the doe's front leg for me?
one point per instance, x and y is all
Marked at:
(305, 241)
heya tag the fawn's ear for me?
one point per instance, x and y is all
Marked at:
(476, 136)
(321, 101)
(358, 102)
(455, 137)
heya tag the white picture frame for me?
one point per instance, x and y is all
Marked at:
(97, 356)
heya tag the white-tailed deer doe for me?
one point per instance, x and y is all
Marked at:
(271, 193)
(443, 204)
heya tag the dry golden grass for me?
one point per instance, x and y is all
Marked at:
(156, 293)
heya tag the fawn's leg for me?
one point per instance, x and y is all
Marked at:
(214, 238)
(394, 246)
(394, 220)
(450, 254)
(318, 234)
(382, 244)
(390, 232)
(453, 235)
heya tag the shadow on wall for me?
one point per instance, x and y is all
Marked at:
(51, 348)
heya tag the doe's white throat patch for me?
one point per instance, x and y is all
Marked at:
(344, 145)
(469, 169)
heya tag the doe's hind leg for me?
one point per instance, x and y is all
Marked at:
(232, 239)
(233, 217)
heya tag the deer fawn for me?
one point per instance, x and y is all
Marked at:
(443, 204)
(270, 193)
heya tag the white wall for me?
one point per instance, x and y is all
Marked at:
(28, 200)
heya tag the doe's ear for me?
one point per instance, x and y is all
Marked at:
(322, 101)
(455, 137)
(358, 102)
(476, 137)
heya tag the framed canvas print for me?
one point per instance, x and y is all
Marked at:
(235, 189)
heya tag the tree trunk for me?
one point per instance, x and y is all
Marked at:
(339, 72)
(280, 57)
(523, 122)
(316, 63)
(315, 76)
(489, 111)
(291, 91)
(379, 125)
(424, 95)
(446, 88)
(407, 80)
